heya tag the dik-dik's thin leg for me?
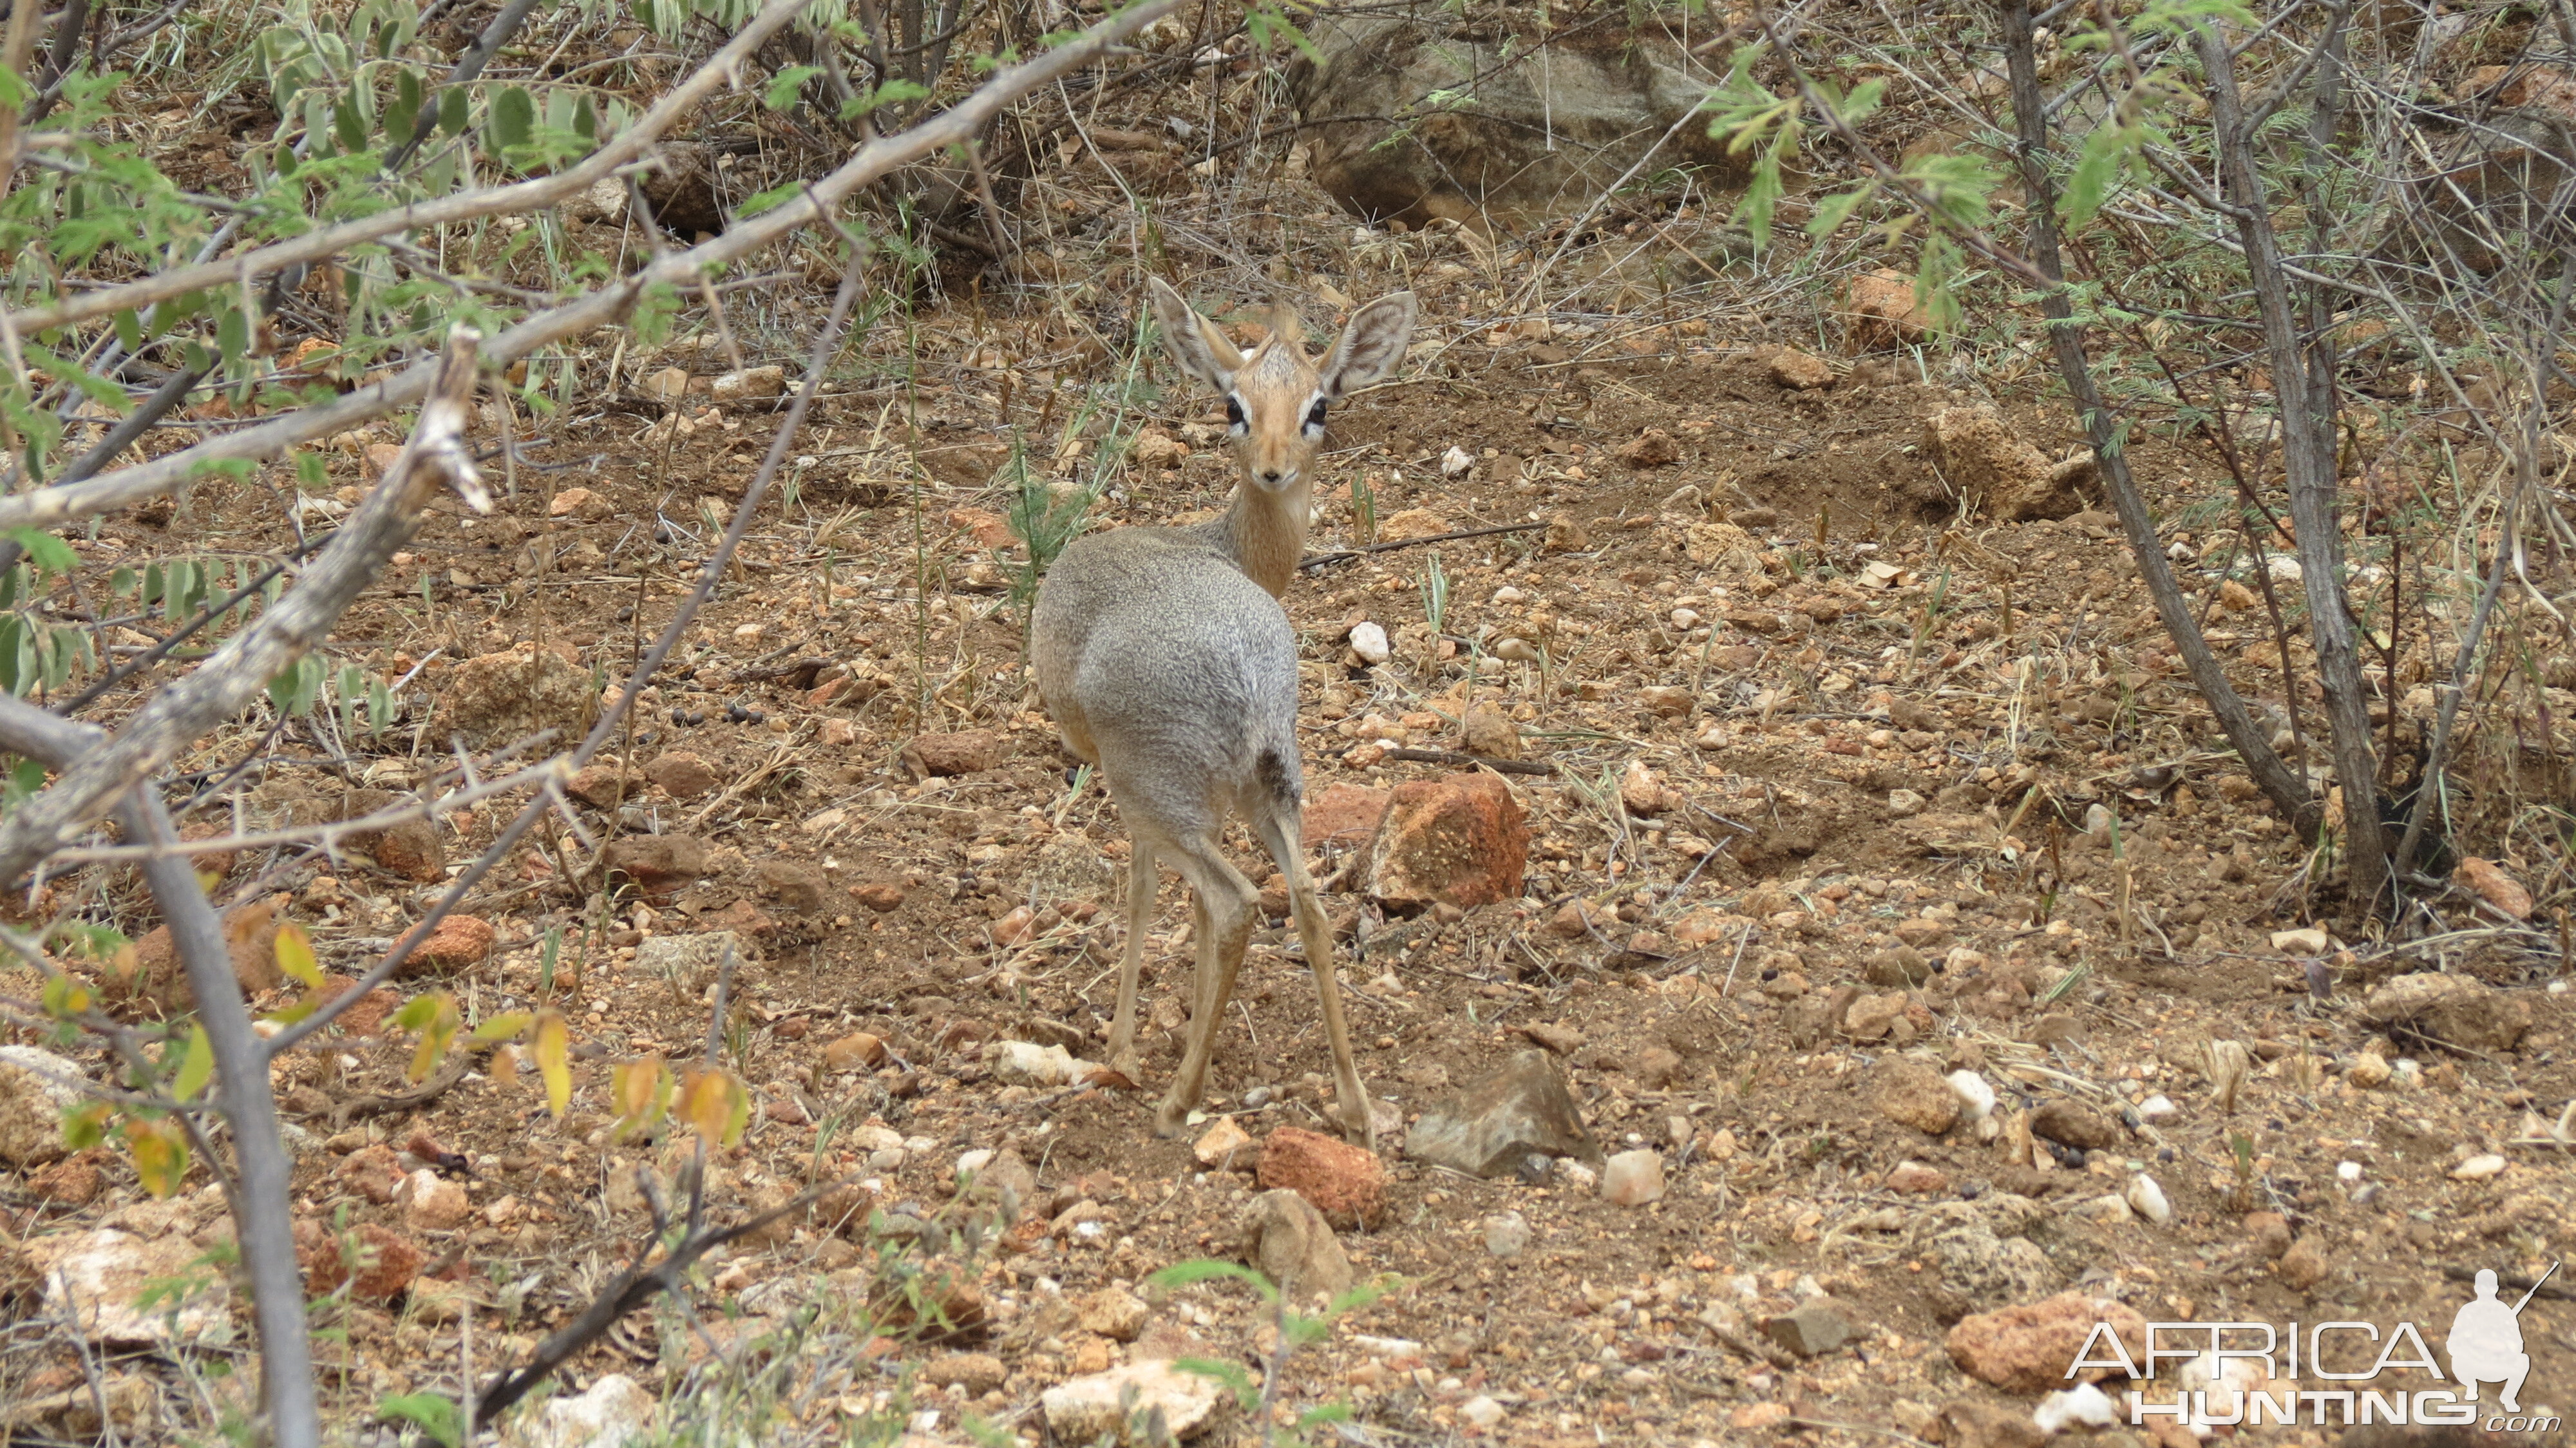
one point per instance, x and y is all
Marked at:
(1280, 837)
(1141, 879)
(1227, 900)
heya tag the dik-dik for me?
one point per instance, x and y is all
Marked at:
(1168, 663)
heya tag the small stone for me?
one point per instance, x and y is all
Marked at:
(386, 1261)
(1292, 1245)
(601, 786)
(1968, 1423)
(112, 1284)
(1898, 967)
(1457, 462)
(1491, 1125)
(1800, 371)
(2026, 1349)
(682, 775)
(751, 384)
(2483, 1167)
(1633, 1178)
(1462, 839)
(1975, 1094)
(1642, 792)
(1757, 1417)
(1910, 1093)
(2453, 1010)
(2311, 941)
(1481, 1412)
(35, 1089)
(73, 1182)
(2269, 1232)
(969, 751)
(2303, 1266)
(668, 385)
(693, 962)
(1106, 1404)
(2369, 1071)
(1653, 448)
(1916, 1179)
(432, 1203)
(977, 1372)
(612, 1412)
(1507, 1234)
(2148, 1200)
(859, 1051)
(1223, 1145)
(578, 503)
(1114, 1313)
(2494, 886)
(460, 942)
(1562, 1040)
(1368, 640)
(881, 898)
(2070, 1124)
(1346, 1183)
(1885, 311)
(1657, 1067)
(1814, 1327)
(659, 865)
(1026, 1063)
(1903, 804)
(1490, 732)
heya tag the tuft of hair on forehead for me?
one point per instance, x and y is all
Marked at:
(1286, 327)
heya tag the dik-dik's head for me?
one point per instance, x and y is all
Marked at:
(1275, 397)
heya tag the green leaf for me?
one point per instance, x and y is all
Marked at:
(452, 112)
(196, 1065)
(129, 331)
(761, 201)
(2107, 154)
(1233, 1375)
(310, 473)
(85, 1124)
(47, 552)
(232, 334)
(349, 127)
(436, 1416)
(893, 92)
(514, 118)
(780, 93)
(1203, 1269)
(404, 113)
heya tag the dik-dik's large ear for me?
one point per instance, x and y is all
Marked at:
(1370, 346)
(1192, 340)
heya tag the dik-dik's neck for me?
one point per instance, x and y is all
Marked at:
(1264, 533)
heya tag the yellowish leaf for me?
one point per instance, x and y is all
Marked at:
(715, 1105)
(507, 1026)
(160, 1153)
(294, 949)
(434, 1015)
(640, 1090)
(196, 1065)
(554, 1060)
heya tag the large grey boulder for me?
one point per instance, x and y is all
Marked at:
(1416, 120)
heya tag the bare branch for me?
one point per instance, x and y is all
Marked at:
(722, 69)
(357, 555)
(52, 506)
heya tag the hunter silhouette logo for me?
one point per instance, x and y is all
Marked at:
(2249, 1373)
(2486, 1340)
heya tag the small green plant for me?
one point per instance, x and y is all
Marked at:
(1295, 1330)
(1435, 608)
(1364, 509)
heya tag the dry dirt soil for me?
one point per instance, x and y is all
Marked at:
(1885, 774)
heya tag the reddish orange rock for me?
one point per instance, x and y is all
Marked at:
(460, 942)
(1346, 814)
(1458, 840)
(1346, 1183)
(377, 1262)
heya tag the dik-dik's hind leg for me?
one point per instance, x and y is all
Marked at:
(1225, 927)
(1141, 879)
(1279, 835)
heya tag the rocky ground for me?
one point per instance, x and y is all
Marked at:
(1813, 955)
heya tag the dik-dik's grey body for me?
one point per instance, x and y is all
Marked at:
(1167, 662)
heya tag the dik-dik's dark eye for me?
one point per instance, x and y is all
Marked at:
(1315, 414)
(1234, 413)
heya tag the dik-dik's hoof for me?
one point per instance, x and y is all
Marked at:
(1128, 1064)
(1170, 1119)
